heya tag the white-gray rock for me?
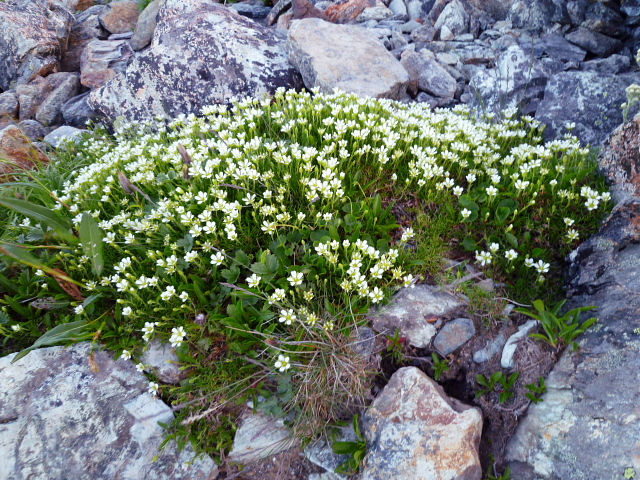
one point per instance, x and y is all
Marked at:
(398, 7)
(431, 77)
(346, 57)
(454, 18)
(9, 105)
(510, 347)
(374, 13)
(145, 26)
(162, 359)
(70, 413)
(410, 310)
(50, 111)
(63, 134)
(491, 349)
(258, 437)
(320, 452)
(102, 60)
(414, 431)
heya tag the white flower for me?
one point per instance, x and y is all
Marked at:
(465, 213)
(253, 280)
(376, 295)
(492, 191)
(217, 258)
(572, 235)
(406, 235)
(542, 267)
(282, 363)
(16, 328)
(169, 292)
(79, 310)
(511, 254)
(494, 247)
(457, 191)
(521, 184)
(126, 311)
(191, 256)
(407, 281)
(177, 336)
(308, 295)
(295, 278)
(471, 178)
(148, 329)
(287, 316)
(568, 222)
(125, 355)
(140, 367)
(484, 258)
(39, 273)
(591, 204)
(153, 388)
(529, 262)
(184, 296)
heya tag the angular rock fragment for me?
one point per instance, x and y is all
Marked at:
(85, 28)
(259, 437)
(345, 57)
(431, 77)
(50, 111)
(453, 335)
(102, 60)
(21, 154)
(594, 42)
(120, 16)
(145, 26)
(414, 430)
(9, 105)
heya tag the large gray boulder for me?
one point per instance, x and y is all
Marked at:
(414, 431)
(591, 100)
(33, 34)
(70, 413)
(202, 53)
(346, 57)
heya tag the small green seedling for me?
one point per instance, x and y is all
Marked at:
(356, 450)
(498, 382)
(536, 391)
(439, 366)
(558, 331)
(492, 474)
(395, 346)
(629, 473)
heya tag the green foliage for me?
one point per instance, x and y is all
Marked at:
(536, 390)
(559, 331)
(498, 382)
(492, 474)
(356, 450)
(254, 239)
(396, 346)
(439, 366)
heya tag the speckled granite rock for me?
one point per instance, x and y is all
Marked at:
(68, 413)
(414, 431)
(202, 53)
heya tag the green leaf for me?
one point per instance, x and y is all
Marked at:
(318, 235)
(511, 238)
(345, 448)
(502, 213)
(469, 245)
(242, 258)
(44, 215)
(260, 268)
(377, 206)
(91, 238)
(67, 332)
(23, 256)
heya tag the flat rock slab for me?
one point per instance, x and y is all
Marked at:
(16, 147)
(410, 311)
(587, 427)
(68, 413)
(591, 100)
(258, 437)
(453, 335)
(202, 53)
(414, 431)
(346, 57)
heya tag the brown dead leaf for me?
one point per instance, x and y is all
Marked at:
(71, 288)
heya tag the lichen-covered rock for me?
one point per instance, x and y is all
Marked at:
(414, 431)
(164, 362)
(594, 42)
(346, 57)
(74, 413)
(591, 100)
(9, 105)
(587, 426)
(454, 17)
(33, 34)
(620, 160)
(345, 11)
(430, 76)
(413, 311)
(21, 153)
(32, 129)
(77, 112)
(453, 335)
(202, 53)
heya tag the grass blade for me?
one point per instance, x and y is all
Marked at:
(41, 214)
(74, 331)
(91, 238)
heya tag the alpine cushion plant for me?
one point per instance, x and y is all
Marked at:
(255, 238)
